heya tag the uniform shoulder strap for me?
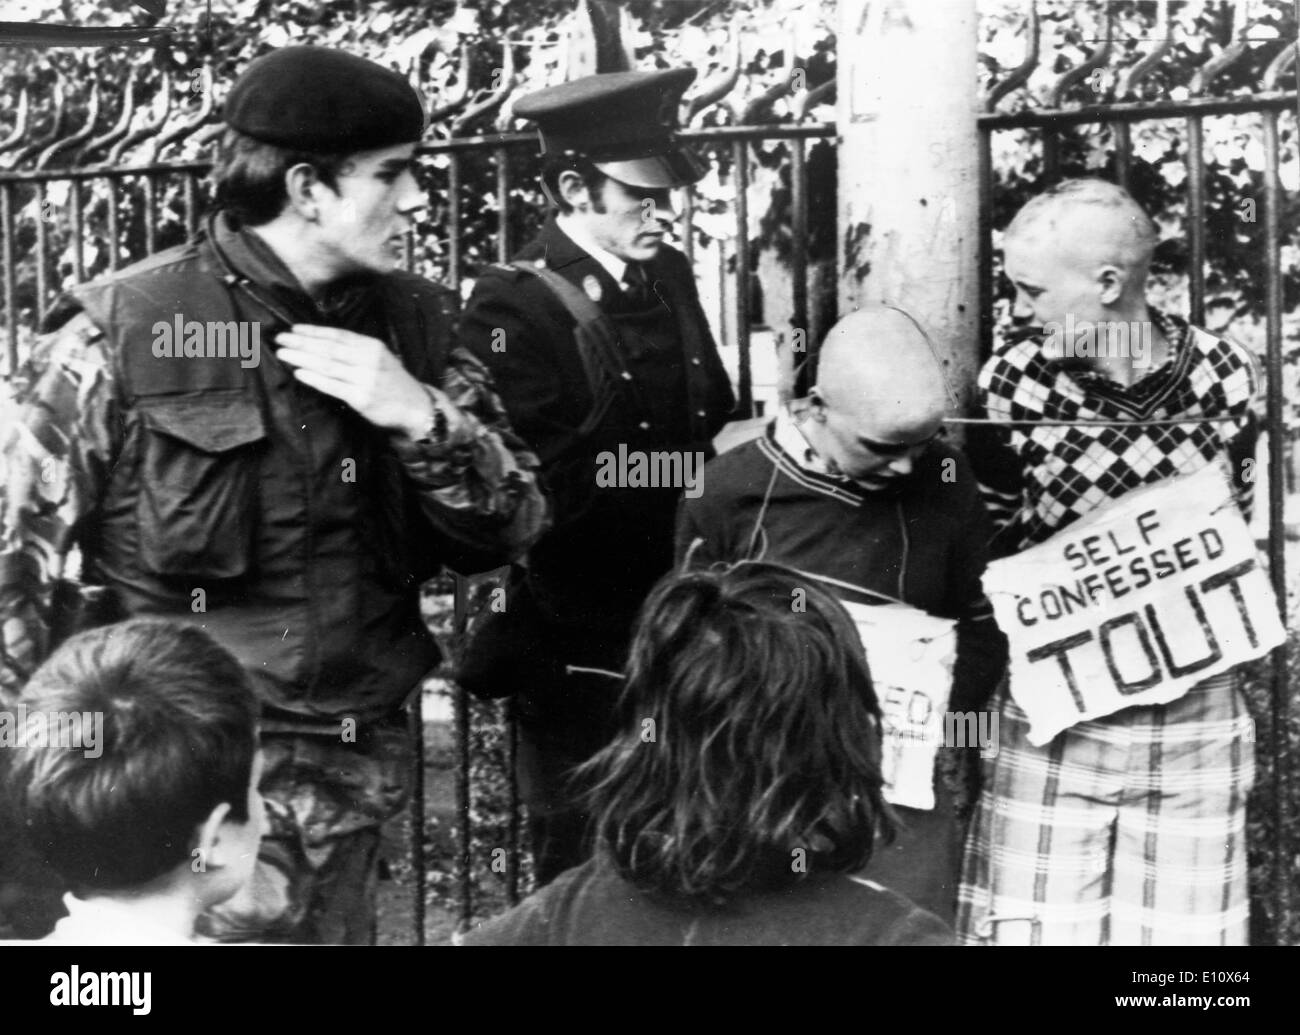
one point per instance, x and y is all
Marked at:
(580, 307)
(597, 339)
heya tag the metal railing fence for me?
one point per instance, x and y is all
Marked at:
(116, 201)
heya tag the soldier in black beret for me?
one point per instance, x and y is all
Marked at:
(604, 358)
(268, 432)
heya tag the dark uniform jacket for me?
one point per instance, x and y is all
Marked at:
(221, 491)
(608, 546)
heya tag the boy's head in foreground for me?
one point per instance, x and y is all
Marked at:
(750, 750)
(169, 807)
(1081, 248)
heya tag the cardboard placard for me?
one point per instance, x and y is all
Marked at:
(911, 655)
(1134, 604)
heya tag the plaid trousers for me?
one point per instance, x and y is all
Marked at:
(1128, 830)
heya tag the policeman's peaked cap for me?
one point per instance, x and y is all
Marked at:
(623, 122)
(318, 99)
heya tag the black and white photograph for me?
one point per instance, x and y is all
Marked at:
(769, 473)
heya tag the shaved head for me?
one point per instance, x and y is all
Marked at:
(1092, 221)
(1080, 252)
(878, 369)
(880, 397)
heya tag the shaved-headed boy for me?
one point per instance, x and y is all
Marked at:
(855, 490)
(1130, 828)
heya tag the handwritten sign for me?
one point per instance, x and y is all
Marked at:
(1134, 604)
(910, 654)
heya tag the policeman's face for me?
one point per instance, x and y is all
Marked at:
(629, 222)
(361, 227)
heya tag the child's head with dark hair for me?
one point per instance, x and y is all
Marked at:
(751, 741)
(169, 794)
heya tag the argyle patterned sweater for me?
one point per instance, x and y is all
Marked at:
(1038, 478)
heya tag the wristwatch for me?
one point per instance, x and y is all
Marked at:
(437, 428)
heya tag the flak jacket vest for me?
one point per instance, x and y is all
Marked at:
(268, 513)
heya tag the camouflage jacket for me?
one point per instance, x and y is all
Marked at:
(72, 427)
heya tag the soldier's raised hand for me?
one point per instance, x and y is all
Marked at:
(360, 371)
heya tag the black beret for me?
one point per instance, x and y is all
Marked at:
(317, 99)
(623, 122)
